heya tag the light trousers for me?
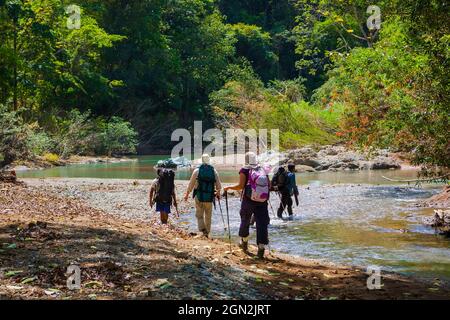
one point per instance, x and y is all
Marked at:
(203, 213)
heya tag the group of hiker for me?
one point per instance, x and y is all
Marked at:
(254, 184)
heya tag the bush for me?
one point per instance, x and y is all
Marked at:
(51, 157)
(242, 104)
(117, 137)
(13, 137)
(76, 134)
(39, 142)
(288, 90)
(83, 135)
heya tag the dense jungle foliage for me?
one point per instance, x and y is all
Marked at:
(135, 70)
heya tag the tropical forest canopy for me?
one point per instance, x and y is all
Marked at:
(135, 70)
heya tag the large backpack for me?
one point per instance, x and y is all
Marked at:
(258, 185)
(166, 187)
(280, 179)
(206, 180)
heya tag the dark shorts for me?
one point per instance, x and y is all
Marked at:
(162, 207)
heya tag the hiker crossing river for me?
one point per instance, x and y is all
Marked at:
(205, 182)
(254, 184)
(255, 187)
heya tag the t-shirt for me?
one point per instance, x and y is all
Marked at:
(291, 183)
(246, 172)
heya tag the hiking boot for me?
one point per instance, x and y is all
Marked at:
(261, 253)
(244, 246)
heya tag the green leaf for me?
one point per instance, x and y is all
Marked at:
(93, 284)
(12, 273)
(28, 280)
(165, 286)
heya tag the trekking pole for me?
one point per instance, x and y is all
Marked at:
(273, 212)
(281, 202)
(221, 214)
(228, 219)
(176, 209)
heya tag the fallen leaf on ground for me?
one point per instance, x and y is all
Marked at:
(13, 273)
(14, 287)
(28, 280)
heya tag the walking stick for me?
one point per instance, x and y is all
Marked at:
(221, 214)
(176, 209)
(273, 212)
(281, 202)
(228, 219)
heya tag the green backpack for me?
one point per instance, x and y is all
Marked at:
(206, 180)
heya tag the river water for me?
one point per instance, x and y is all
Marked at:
(353, 218)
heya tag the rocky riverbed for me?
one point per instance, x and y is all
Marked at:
(339, 157)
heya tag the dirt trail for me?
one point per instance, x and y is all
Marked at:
(43, 230)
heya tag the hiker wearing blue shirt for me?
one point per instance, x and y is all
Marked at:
(284, 182)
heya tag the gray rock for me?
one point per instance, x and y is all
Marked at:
(21, 168)
(352, 166)
(364, 165)
(307, 162)
(340, 158)
(303, 168)
(381, 163)
(350, 157)
(337, 165)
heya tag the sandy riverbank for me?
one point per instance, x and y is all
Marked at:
(104, 226)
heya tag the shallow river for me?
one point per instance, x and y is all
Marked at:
(355, 218)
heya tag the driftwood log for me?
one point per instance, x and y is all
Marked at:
(443, 178)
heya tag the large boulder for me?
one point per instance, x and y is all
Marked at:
(331, 151)
(302, 168)
(350, 156)
(440, 200)
(305, 152)
(381, 163)
(307, 162)
(364, 165)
